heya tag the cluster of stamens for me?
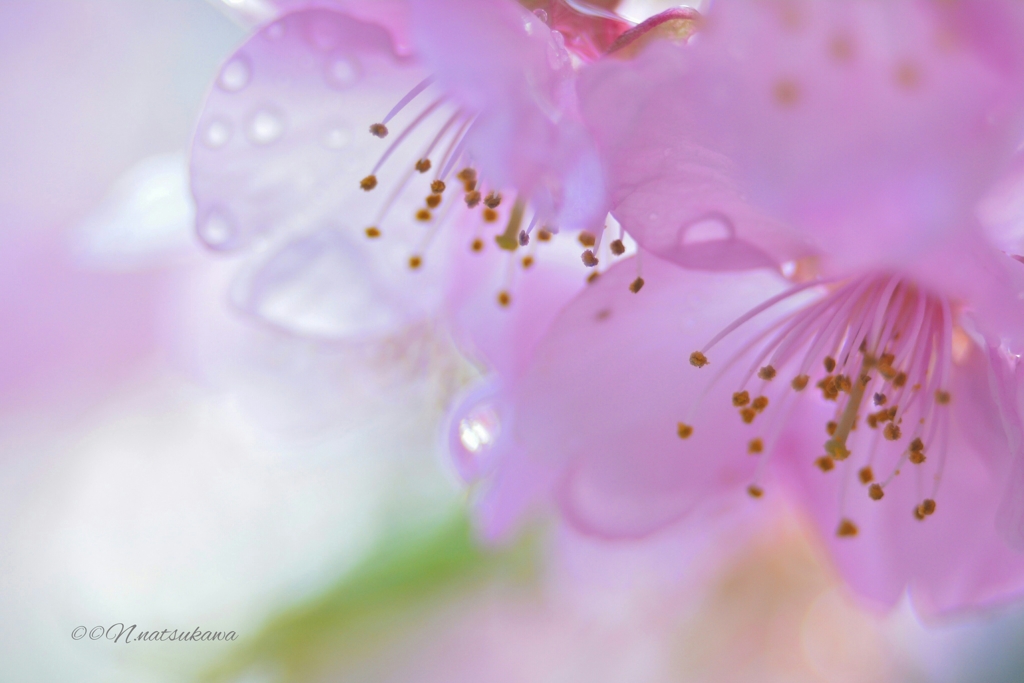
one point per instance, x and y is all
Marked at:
(487, 202)
(881, 342)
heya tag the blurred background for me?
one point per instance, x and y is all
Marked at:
(168, 463)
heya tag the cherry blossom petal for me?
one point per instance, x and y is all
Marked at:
(609, 384)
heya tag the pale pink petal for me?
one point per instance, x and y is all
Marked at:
(507, 67)
(609, 383)
(283, 139)
(503, 338)
(481, 441)
(867, 140)
(1001, 211)
(677, 198)
(984, 282)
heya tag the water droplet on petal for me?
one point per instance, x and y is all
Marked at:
(541, 14)
(342, 72)
(235, 75)
(478, 430)
(265, 127)
(323, 35)
(216, 134)
(216, 229)
(276, 30)
(337, 137)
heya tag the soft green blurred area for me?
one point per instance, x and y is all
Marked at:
(367, 612)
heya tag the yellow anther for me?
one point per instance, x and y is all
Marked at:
(829, 388)
(477, 245)
(748, 415)
(433, 200)
(919, 513)
(423, 215)
(875, 492)
(899, 380)
(466, 175)
(766, 373)
(437, 187)
(831, 428)
(825, 463)
(741, 398)
(908, 75)
(490, 215)
(786, 93)
(916, 457)
(415, 262)
(942, 397)
(880, 399)
(493, 200)
(527, 261)
(843, 383)
(755, 446)
(698, 359)
(373, 233)
(865, 379)
(684, 430)
(830, 364)
(872, 420)
(592, 278)
(846, 529)
(504, 298)
(617, 247)
(892, 431)
(544, 235)
(837, 449)
(589, 260)
(755, 491)
(368, 183)
(636, 285)
(379, 130)
(799, 382)
(472, 199)
(916, 445)
(587, 239)
(928, 506)
(759, 403)
(423, 165)
(866, 475)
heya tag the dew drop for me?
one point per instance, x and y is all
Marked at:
(216, 134)
(541, 14)
(235, 75)
(337, 137)
(479, 429)
(216, 229)
(276, 30)
(342, 72)
(265, 127)
(323, 35)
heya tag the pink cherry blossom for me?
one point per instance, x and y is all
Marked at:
(386, 162)
(817, 169)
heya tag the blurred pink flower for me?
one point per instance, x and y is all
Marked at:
(389, 162)
(847, 146)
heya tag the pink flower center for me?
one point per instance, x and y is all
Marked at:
(442, 130)
(884, 348)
